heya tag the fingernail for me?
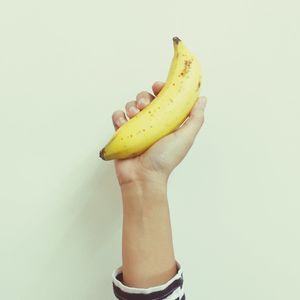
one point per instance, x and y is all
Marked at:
(143, 101)
(202, 104)
(120, 121)
(134, 109)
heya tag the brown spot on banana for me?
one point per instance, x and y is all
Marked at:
(187, 66)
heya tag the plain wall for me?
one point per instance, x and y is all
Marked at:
(65, 66)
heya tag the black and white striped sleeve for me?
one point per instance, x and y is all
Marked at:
(171, 290)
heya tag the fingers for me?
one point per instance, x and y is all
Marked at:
(118, 118)
(143, 99)
(132, 108)
(157, 87)
(191, 127)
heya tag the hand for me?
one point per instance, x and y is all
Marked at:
(160, 159)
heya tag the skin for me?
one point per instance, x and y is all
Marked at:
(147, 247)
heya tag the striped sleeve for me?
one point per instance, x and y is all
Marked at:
(171, 290)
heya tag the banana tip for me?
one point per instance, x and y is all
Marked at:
(176, 40)
(102, 153)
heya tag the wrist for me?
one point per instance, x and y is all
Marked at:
(144, 187)
(140, 196)
(144, 179)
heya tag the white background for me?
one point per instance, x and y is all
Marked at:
(65, 66)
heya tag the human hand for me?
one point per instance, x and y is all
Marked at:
(161, 158)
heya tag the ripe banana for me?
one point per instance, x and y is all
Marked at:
(165, 113)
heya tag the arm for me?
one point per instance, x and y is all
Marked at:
(147, 247)
(148, 255)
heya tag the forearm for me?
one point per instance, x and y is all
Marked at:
(147, 246)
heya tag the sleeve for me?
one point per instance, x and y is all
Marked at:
(172, 290)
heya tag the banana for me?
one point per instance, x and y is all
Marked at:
(165, 113)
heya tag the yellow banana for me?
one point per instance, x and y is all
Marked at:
(165, 113)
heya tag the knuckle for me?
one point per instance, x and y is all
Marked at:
(129, 104)
(199, 118)
(131, 109)
(116, 113)
(143, 94)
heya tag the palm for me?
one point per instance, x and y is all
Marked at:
(155, 159)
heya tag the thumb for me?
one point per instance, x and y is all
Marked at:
(192, 125)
